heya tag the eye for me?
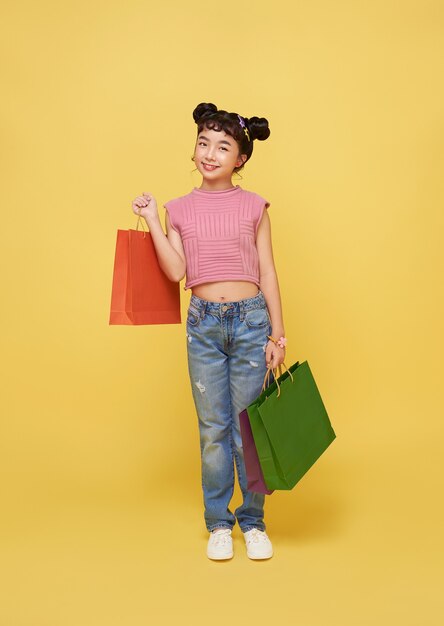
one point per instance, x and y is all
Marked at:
(202, 143)
(222, 148)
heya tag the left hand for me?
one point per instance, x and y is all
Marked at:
(274, 354)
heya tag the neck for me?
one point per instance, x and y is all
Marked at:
(218, 185)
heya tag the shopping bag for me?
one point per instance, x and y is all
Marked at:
(141, 291)
(290, 426)
(255, 478)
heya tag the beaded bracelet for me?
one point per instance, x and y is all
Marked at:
(281, 342)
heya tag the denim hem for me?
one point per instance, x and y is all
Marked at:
(213, 526)
(247, 528)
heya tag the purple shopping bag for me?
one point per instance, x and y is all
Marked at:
(255, 478)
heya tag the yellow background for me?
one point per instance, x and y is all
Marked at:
(102, 513)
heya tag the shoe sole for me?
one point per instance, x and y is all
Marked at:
(221, 558)
(259, 558)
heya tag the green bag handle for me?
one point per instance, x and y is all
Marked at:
(267, 375)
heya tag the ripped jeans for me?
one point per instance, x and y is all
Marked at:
(226, 362)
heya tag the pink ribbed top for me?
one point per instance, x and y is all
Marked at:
(218, 231)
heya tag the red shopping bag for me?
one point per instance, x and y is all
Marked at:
(141, 291)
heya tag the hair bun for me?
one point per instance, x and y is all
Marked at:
(202, 109)
(258, 128)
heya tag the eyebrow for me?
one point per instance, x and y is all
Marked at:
(220, 141)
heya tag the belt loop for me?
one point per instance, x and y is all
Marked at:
(202, 310)
(262, 299)
(241, 313)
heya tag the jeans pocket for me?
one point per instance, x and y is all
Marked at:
(257, 318)
(193, 316)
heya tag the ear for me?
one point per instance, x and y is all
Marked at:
(241, 160)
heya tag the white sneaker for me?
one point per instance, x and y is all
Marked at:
(220, 544)
(258, 544)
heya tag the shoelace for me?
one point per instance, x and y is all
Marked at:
(256, 536)
(221, 537)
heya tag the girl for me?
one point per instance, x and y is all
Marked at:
(219, 235)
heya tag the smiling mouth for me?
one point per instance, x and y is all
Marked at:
(213, 167)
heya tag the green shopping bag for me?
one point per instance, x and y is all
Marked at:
(290, 425)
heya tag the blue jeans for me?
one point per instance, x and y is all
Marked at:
(226, 362)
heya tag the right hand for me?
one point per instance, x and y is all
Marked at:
(146, 206)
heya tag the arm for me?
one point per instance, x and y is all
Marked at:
(169, 248)
(270, 288)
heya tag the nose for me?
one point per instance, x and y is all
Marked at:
(209, 154)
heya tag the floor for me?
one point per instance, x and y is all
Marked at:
(356, 542)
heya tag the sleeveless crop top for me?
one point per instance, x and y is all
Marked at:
(218, 231)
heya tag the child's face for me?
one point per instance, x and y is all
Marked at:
(218, 149)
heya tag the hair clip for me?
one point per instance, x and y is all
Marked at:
(242, 123)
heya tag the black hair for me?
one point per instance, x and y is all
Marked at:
(207, 115)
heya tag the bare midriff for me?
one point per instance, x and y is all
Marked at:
(225, 291)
